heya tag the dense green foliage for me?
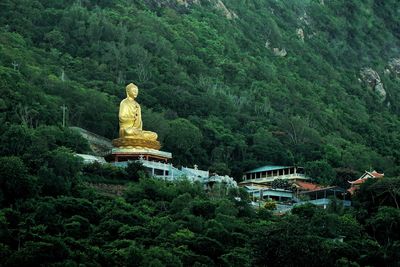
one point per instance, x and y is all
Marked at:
(210, 86)
(217, 95)
(57, 220)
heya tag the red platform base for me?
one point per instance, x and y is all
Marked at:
(126, 154)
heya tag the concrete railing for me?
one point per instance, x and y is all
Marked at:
(272, 178)
(156, 165)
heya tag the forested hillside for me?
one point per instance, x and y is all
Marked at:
(227, 85)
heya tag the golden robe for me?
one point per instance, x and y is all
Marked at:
(130, 121)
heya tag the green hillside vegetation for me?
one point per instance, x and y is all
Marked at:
(210, 87)
(227, 85)
(54, 219)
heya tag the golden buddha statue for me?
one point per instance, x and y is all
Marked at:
(131, 134)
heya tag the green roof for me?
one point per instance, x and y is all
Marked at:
(268, 168)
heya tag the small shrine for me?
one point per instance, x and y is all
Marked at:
(355, 185)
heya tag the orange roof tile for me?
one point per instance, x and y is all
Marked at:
(377, 174)
(358, 181)
(308, 186)
(351, 190)
(366, 176)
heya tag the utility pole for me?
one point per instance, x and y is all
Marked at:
(63, 75)
(15, 65)
(64, 109)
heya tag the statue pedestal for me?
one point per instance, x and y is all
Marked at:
(135, 142)
(119, 154)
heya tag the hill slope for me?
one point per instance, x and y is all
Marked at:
(226, 84)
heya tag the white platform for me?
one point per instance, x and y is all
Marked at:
(141, 151)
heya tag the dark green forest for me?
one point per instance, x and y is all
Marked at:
(54, 218)
(229, 85)
(211, 85)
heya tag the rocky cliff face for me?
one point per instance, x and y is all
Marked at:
(372, 79)
(394, 66)
(219, 5)
(187, 4)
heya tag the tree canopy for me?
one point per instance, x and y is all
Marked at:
(228, 85)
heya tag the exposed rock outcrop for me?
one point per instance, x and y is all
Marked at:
(98, 144)
(300, 34)
(304, 19)
(229, 14)
(279, 52)
(394, 66)
(373, 81)
(187, 4)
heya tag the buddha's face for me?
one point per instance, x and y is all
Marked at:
(132, 91)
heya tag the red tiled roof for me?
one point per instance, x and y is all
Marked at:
(351, 190)
(308, 186)
(358, 181)
(366, 176)
(362, 179)
(377, 174)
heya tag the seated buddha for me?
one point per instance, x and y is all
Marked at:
(131, 133)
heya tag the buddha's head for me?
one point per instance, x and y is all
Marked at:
(132, 90)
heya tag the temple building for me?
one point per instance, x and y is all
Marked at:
(298, 192)
(289, 187)
(257, 182)
(319, 195)
(167, 172)
(355, 185)
(269, 173)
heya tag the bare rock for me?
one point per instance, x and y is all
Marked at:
(300, 34)
(394, 66)
(380, 91)
(229, 14)
(370, 76)
(279, 52)
(372, 79)
(304, 19)
(216, 4)
(188, 3)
